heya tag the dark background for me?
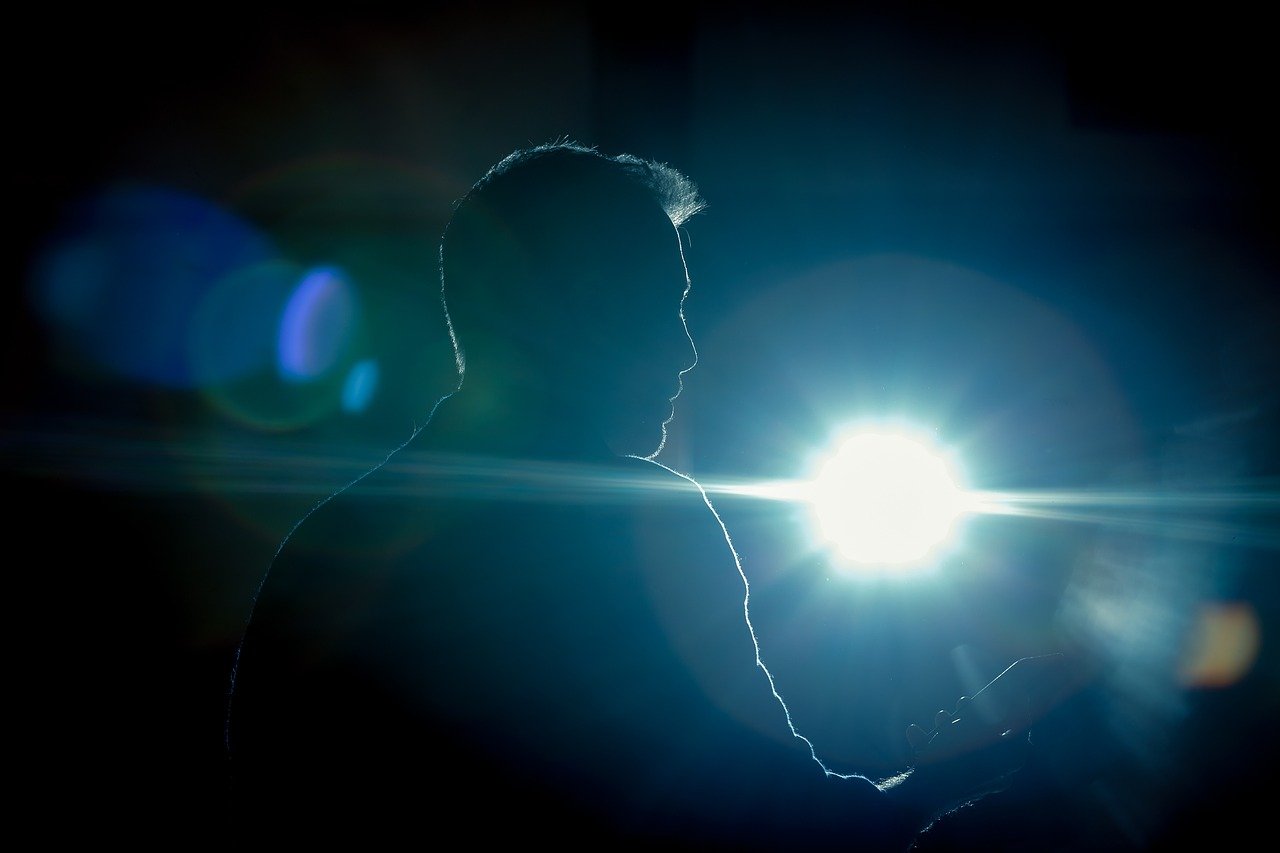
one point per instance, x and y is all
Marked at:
(1048, 238)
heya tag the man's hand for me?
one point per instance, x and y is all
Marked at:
(1003, 709)
(975, 749)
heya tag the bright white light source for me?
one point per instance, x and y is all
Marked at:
(885, 498)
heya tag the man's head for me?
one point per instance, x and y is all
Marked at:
(563, 279)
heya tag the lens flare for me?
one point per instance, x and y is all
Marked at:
(1223, 645)
(124, 275)
(358, 390)
(316, 324)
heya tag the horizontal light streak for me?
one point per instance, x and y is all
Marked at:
(113, 457)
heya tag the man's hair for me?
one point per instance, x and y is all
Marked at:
(536, 222)
(677, 195)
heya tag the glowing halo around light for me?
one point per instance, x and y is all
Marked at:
(885, 499)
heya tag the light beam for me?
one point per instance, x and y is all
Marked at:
(885, 498)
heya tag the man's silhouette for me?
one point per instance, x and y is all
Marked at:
(520, 627)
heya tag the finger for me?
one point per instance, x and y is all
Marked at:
(941, 719)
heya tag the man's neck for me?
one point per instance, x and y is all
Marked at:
(503, 422)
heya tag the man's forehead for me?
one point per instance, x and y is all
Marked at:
(644, 237)
(662, 255)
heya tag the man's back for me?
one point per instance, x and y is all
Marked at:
(576, 663)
